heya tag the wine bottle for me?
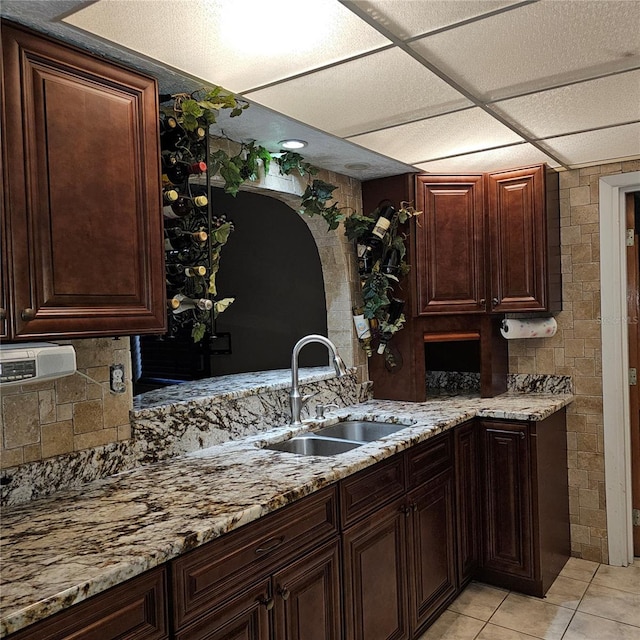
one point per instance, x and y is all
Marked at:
(170, 132)
(381, 227)
(362, 329)
(391, 264)
(180, 303)
(184, 206)
(179, 240)
(178, 273)
(179, 173)
(169, 196)
(396, 307)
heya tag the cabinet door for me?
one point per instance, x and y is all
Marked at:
(244, 617)
(82, 144)
(375, 576)
(432, 543)
(450, 245)
(518, 240)
(467, 492)
(507, 499)
(307, 596)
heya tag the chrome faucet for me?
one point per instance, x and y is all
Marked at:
(296, 400)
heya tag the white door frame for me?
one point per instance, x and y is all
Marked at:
(615, 363)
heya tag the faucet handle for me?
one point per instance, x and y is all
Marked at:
(321, 408)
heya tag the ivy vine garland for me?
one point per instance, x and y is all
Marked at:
(201, 109)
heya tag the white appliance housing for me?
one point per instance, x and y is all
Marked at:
(35, 361)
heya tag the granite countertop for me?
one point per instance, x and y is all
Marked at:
(65, 548)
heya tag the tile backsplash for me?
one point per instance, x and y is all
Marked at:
(69, 414)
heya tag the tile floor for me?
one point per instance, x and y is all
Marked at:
(588, 601)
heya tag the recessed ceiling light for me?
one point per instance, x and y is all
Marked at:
(357, 166)
(293, 144)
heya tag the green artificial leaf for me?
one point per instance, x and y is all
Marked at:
(198, 331)
(265, 156)
(191, 107)
(323, 190)
(221, 305)
(358, 227)
(221, 234)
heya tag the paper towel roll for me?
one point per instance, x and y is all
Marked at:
(515, 329)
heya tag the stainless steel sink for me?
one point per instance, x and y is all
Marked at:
(311, 446)
(338, 438)
(360, 430)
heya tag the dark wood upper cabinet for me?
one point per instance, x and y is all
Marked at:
(524, 252)
(488, 243)
(449, 238)
(83, 218)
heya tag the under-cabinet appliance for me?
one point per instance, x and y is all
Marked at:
(35, 361)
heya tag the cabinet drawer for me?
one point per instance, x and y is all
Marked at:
(210, 574)
(134, 610)
(370, 489)
(429, 459)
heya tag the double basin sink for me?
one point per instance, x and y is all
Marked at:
(337, 438)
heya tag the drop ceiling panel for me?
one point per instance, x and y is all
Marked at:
(519, 155)
(408, 18)
(538, 46)
(349, 99)
(577, 107)
(236, 44)
(451, 134)
(595, 147)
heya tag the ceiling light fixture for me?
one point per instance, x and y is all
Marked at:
(357, 166)
(293, 144)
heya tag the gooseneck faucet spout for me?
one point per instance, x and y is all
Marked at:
(296, 400)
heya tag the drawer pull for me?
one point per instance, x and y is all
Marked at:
(267, 603)
(275, 543)
(284, 593)
(406, 509)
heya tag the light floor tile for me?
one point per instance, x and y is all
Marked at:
(452, 625)
(566, 592)
(579, 569)
(493, 632)
(479, 601)
(535, 617)
(586, 627)
(623, 578)
(613, 604)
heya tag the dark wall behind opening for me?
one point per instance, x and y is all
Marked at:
(271, 266)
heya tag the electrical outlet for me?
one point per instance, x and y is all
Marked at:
(116, 378)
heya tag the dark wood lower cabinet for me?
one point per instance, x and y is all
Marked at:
(375, 576)
(432, 549)
(525, 500)
(467, 503)
(134, 610)
(307, 594)
(244, 617)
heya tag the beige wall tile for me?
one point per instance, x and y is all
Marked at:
(57, 438)
(21, 420)
(88, 416)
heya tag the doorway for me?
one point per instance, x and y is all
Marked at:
(615, 363)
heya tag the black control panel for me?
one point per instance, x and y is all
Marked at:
(17, 370)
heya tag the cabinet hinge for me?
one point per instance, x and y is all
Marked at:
(633, 376)
(635, 517)
(631, 237)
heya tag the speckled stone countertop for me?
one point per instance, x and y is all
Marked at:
(65, 548)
